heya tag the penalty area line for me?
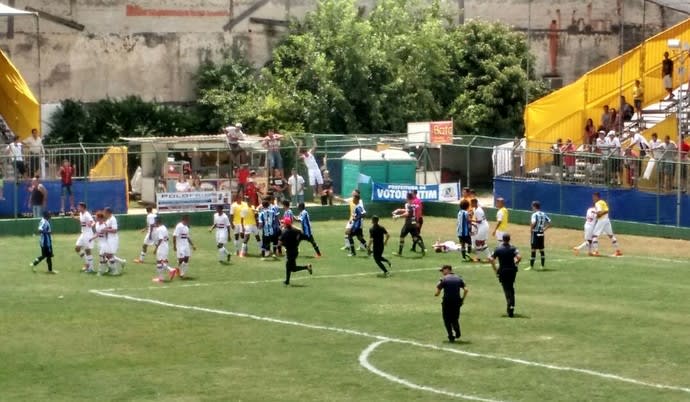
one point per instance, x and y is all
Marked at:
(593, 373)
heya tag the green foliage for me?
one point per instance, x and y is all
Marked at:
(340, 72)
(107, 120)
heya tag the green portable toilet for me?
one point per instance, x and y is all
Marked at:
(402, 168)
(359, 163)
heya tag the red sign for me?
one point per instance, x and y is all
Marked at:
(441, 132)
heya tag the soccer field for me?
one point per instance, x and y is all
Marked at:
(606, 329)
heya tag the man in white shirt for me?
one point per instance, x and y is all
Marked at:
(656, 146)
(315, 177)
(639, 140)
(221, 222)
(615, 158)
(35, 147)
(160, 236)
(148, 232)
(296, 186)
(182, 185)
(590, 221)
(183, 245)
(480, 239)
(113, 240)
(17, 155)
(84, 243)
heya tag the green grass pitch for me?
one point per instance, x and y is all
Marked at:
(591, 329)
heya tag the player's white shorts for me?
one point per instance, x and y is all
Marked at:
(251, 230)
(162, 252)
(239, 229)
(348, 225)
(603, 227)
(102, 248)
(482, 232)
(184, 251)
(148, 240)
(111, 246)
(589, 231)
(221, 236)
(84, 241)
(315, 177)
(499, 235)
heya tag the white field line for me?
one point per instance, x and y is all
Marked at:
(300, 278)
(364, 362)
(593, 373)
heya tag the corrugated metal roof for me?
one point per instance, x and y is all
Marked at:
(677, 5)
(252, 142)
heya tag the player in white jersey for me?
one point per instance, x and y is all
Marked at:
(102, 240)
(221, 223)
(84, 243)
(590, 222)
(160, 237)
(113, 244)
(183, 245)
(481, 237)
(148, 241)
(446, 246)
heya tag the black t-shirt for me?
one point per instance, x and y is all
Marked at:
(377, 233)
(290, 239)
(327, 184)
(451, 285)
(667, 67)
(506, 257)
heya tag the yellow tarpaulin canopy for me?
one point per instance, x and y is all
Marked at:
(18, 105)
(112, 166)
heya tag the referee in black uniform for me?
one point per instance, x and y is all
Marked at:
(452, 301)
(508, 257)
(290, 239)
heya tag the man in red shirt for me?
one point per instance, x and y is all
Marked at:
(251, 191)
(66, 173)
(242, 178)
(418, 215)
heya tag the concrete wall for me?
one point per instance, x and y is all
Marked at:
(153, 48)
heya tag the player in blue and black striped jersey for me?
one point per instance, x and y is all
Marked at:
(356, 229)
(269, 234)
(307, 233)
(45, 241)
(538, 225)
(276, 224)
(464, 230)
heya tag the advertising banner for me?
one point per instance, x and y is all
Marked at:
(192, 201)
(429, 192)
(441, 132)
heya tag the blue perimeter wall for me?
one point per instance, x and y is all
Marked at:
(572, 199)
(97, 195)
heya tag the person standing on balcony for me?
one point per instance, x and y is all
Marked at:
(605, 120)
(569, 160)
(638, 97)
(35, 147)
(590, 134)
(667, 75)
(669, 159)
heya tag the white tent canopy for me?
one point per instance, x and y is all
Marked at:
(7, 11)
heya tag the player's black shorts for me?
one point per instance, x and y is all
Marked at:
(537, 241)
(465, 239)
(47, 252)
(356, 232)
(409, 228)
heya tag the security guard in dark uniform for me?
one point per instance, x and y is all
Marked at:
(290, 239)
(508, 257)
(452, 301)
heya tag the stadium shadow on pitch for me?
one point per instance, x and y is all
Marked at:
(517, 315)
(297, 285)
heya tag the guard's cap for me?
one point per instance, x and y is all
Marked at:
(287, 221)
(506, 237)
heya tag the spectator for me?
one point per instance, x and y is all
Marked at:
(633, 163)
(272, 143)
(638, 98)
(235, 135)
(657, 147)
(315, 177)
(614, 147)
(590, 133)
(613, 118)
(252, 191)
(327, 189)
(242, 174)
(38, 197)
(626, 111)
(518, 158)
(606, 119)
(557, 165)
(296, 185)
(667, 75)
(196, 182)
(668, 159)
(684, 149)
(36, 152)
(569, 160)
(639, 140)
(278, 185)
(17, 155)
(66, 174)
(182, 185)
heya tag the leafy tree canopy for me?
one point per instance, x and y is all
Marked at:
(340, 72)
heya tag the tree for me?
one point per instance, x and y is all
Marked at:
(338, 71)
